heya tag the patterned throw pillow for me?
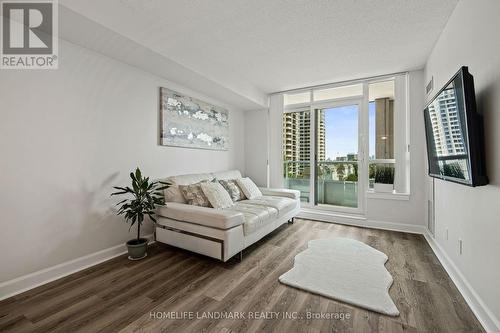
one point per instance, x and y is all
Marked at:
(217, 195)
(194, 195)
(249, 188)
(233, 189)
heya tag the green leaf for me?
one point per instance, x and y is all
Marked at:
(143, 198)
(120, 188)
(124, 200)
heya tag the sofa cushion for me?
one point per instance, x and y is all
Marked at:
(216, 195)
(213, 218)
(225, 175)
(281, 204)
(280, 192)
(194, 194)
(191, 178)
(249, 188)
(174, 194)
(256, 216)
(233, 189)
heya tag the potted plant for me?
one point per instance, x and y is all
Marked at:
(143, 197)
(384, 179)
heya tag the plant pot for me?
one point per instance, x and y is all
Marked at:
(137, 249)
(384, 188)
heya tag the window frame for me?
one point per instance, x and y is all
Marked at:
(401, 128)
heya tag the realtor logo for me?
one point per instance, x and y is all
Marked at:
(29, 35)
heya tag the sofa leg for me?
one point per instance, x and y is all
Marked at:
(292, 220)
(241, 256)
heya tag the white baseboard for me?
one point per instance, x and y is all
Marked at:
(360, 221)
(392, 226)
(26, 282)
(485, 316)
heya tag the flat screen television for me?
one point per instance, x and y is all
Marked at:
(454, 132)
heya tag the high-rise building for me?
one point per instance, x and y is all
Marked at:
(446, 125)
(297, 141)
(384, 128)
(290, 144)
(352, 157)
(321, 143)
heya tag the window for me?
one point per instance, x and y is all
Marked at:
(335, 138)
(381, 127)
(337, 148)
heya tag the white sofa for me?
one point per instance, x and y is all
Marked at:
(221, 233)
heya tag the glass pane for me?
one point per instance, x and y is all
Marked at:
(446, 133)
(296, 150)
(381, 173)
(337, 156)
(381, 120)
(338, 92)
(303, 97)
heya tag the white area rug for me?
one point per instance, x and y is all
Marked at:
(346, 270)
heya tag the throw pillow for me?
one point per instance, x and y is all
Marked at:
(217, 195)
(233, 189)
(194, 194)
(249, 188)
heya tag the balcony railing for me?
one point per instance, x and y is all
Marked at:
(336, 183)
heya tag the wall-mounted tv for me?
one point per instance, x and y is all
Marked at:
(454, 132)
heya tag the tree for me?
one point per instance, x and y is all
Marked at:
(353, 177)
(340, 171)
(143, 197)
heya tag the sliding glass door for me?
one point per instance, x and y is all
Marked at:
(338, 152)
(336, 159)
(322, 153)
(338, 139)
(321, 148)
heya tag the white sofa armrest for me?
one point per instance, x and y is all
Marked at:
(209, 217)
(280, 192)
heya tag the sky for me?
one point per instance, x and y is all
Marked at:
(341, 130)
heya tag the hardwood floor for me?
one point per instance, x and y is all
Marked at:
(127, 296)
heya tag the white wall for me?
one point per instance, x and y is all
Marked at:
(66, 137)
(473, 214)
(263, 142)
(256, 146)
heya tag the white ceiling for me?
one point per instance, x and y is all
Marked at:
(272, 45)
